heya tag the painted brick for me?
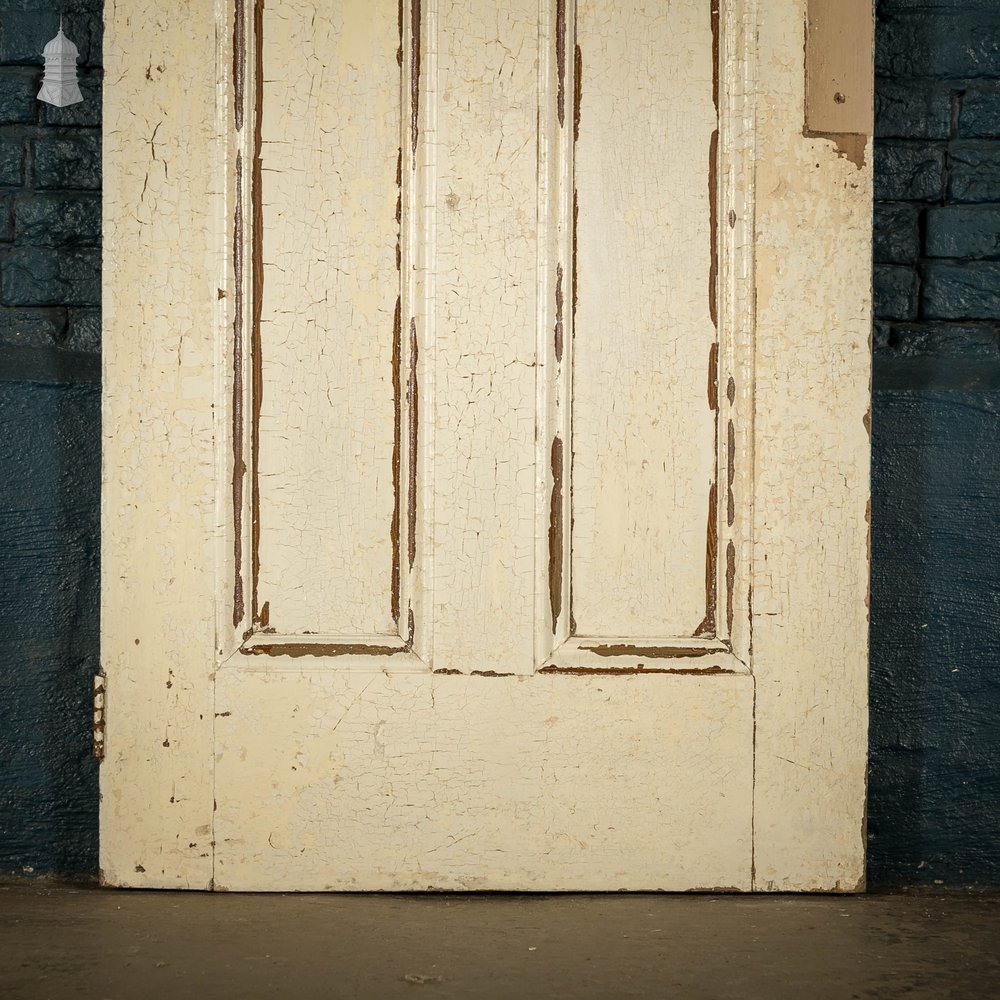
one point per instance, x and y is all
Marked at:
(974, 173)
(53, 220)
(68, 162)
(18, 104)
(909, 171)
(86, 113)
(912, 109)
(937, 339)
(85, 331)
(896, 292)
(31, 327)
(49, 574)
(934, 775)
(957, 231)
(938, 43)
(962, 291)
(35, 277)
(896, 233)
(980, 114)
(24, 34)
(6, 218)
(11, 162)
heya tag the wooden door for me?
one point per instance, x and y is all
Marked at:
(486, 454)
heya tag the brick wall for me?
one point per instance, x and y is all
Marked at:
(937, 188)
(934, 779)
(50, 238)
(50, 178)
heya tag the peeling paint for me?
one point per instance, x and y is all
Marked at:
(415, 30)
(257, 294)
(707, 626)
(556, 533)
(561, 60)
(239, 463)
(713, 671)
(239, 62)
(397, 434)
(558, 333)
(650, 652)
(413, 416)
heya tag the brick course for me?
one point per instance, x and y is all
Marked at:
(50, 180)
(937, 163)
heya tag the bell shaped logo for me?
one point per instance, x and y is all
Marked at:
(59, 85)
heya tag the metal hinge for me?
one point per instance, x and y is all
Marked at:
(99, 716)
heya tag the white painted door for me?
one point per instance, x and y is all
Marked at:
(485, 461)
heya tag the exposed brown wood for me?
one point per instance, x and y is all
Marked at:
(730, 474)
(561, 60)
(559, 314)
(730, 583)
(397, 434)
(399, 210)
(257, 254)
(412, 393)
(556, 532)
(650, 652)
(414, 74)
(489, 673)
(264, 618)
(713, 376)
(577, 90)
(239, 61)
(707, 626)
(239, 463)
(399, 50)
(731, 390)
(716, 53)
(713, 207)
(632, 671)
(299, 649)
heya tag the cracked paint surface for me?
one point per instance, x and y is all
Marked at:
(643, 434)
(330, 143)
(453, 757)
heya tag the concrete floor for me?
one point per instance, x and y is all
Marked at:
(63, 941)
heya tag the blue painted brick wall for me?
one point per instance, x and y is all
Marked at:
(934, 777)
(50, 259)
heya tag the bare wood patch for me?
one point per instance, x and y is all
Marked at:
(397, 402)
(556, 532)
(412, 400)
(638, 669)
(650, 652)
(239, 463)
(257, 255)
(707, 626)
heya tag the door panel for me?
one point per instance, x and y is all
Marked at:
(326, 432)
(458, 591)
(645, 338)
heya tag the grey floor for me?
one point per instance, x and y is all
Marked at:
(63, 941)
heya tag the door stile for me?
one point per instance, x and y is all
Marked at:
(737, 315)
(556, 282)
